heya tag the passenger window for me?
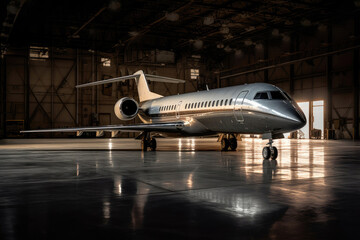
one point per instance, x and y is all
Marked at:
(217, 103)
(261, 95)
(213, 104)
(202, 104)
(221, 103)
(192, 105)
(277, 95)
(225, 102)
(230, 101)
(185, 106)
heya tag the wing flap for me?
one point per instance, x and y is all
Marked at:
(151, 127)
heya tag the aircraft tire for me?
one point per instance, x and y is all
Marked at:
(152, 144)
(266, 152)
(233, 143)
(225, 144)
(274, 153)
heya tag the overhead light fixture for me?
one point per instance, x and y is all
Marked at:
(285, 38)
(306, 22)
(6, 24)
(172, 16)
(259, 46)
(227, 49)
(198, 44)
(133, 33)
(248, 42)
(224, 29)
(12, 8)
(208, 20)
(239, 53)
(249, 29)
(275, 32)
(114, 5)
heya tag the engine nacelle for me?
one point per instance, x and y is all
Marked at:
(126, 108)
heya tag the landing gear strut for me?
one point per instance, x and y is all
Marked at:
(228, 140)
(270, 151)
(148, 142)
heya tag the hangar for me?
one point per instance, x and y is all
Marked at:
(101, 185)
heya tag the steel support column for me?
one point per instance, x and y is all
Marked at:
(356, 80)
(293, 48)
(77, 90)
(329, 70)
(26, 92)
(266, 57)
(3, 96)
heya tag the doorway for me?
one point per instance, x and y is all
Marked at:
(318, 116)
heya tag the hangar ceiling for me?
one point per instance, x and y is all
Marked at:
(177, 25)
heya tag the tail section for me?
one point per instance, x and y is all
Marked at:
(143, 88)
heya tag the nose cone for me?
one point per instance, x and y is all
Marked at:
(297, 117)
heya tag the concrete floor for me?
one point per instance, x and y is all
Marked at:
(188, 189)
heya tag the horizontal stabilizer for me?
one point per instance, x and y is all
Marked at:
(153, 78)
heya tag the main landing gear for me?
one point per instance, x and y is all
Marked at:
(148, 142)
(228, 141)
(270, 151)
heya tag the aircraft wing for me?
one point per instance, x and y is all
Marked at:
(151, 127)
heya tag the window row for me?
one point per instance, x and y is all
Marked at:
(167, 108)
(214, 103)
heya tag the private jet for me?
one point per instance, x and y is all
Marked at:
(257, 108)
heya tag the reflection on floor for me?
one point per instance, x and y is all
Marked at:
(188, 189)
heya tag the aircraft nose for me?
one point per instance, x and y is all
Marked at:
(299, 117)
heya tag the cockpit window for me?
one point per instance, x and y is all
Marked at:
(277, 95)
(261, 95)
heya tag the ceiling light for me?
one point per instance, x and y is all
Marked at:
(227, 49)
(172, 16)
(275, 32)
(248, 42)
(208, 20)
(259, 46)
(220, 45)
(133, 33)
(249, 29)
(198, 44)
(114, 5)
(239, 53)
(306, 22)
(285, 38)
(224, 30)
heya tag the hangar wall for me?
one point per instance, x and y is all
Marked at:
(41, 93)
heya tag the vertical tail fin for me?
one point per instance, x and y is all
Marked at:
(143, 88)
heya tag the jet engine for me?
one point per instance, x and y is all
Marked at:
(126, 108)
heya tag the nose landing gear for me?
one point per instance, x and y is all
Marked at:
(270, 151)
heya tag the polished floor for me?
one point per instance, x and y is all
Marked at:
(188, 189)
